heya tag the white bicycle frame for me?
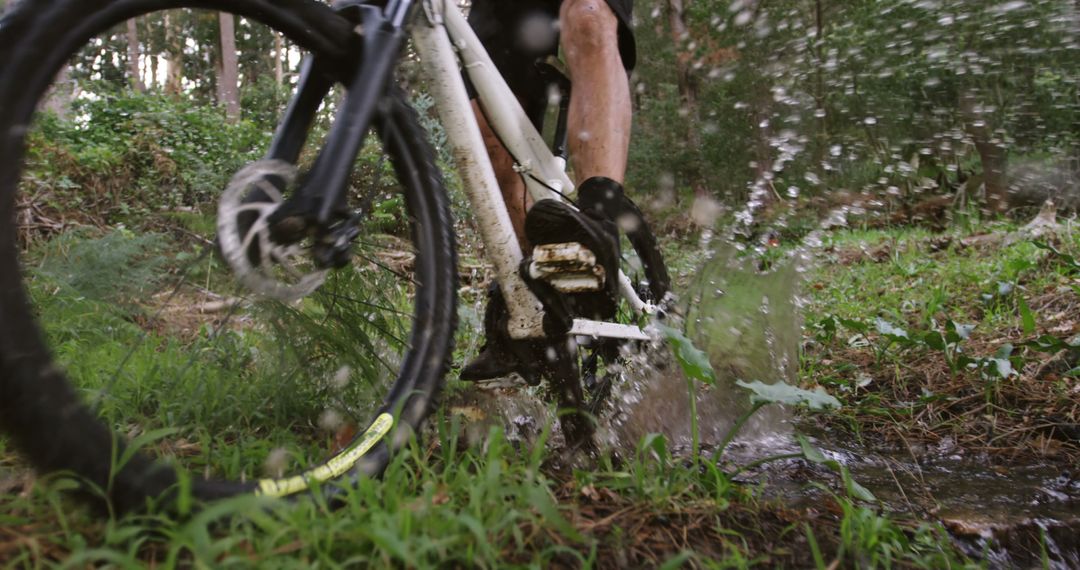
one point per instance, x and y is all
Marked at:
(436, 33)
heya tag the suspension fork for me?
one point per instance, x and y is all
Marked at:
(320, 201)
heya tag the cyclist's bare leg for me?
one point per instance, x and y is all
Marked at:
(600, 109)
(513, 187)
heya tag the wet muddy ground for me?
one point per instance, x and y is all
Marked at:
(1007, 513)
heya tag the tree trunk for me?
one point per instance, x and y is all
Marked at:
(279, 52)
(229, 78)
(134, 56)
(174, 80)
(991, 151)
(680, 34)
(154, 68)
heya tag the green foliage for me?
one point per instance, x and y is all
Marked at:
(89, 267)
(792, 100)
(138, 153)
(853, 488)
(947, 341)
(783, 393)
(694, 362)
(871, 540)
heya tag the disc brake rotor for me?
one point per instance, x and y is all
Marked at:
(284, 272)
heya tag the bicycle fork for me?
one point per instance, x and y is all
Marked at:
(319, 205)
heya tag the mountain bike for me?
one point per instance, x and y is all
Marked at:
(326, 310)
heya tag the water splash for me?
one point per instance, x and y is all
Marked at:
(745, 319)
(747, 322)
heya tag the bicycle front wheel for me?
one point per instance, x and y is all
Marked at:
(128, 334)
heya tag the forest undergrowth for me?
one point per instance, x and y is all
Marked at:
(910, 329)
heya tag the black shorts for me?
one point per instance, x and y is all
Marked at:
(517, 33)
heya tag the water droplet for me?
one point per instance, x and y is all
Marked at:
(276, 462)
(341, 378)
(705, 211)
(554, 95)
(331, 420)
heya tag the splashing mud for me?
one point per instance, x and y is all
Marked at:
(747, 322)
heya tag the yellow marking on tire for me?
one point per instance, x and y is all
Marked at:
(332, 469)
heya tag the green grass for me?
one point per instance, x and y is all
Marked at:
(441, 503)
(1007, 291)
(485, 506)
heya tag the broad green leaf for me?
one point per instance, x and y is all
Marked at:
(853, 487)
(853, 325)
(1004, 367)
(961, 331)
(934, 340)
(783, 393)
(656, 443)
(1026, 316)
(1051, 343)
(811, 453)
(1069, 260)
(826, 328)
(694, 362)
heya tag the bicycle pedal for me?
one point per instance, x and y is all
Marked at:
(568, 267)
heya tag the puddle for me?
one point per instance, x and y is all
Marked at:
(1009, 516)
(1007, 513)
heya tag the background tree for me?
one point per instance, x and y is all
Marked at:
(229, 80)
(134, 57)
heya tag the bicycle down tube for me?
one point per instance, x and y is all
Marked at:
(440, 67)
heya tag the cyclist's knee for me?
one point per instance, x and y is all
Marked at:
(588, 25)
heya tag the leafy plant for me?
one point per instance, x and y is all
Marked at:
(948, 341)
(814, 455)
(89, 265)
(761, 395)
(696, 366)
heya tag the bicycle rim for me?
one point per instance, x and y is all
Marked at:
(139, 330)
